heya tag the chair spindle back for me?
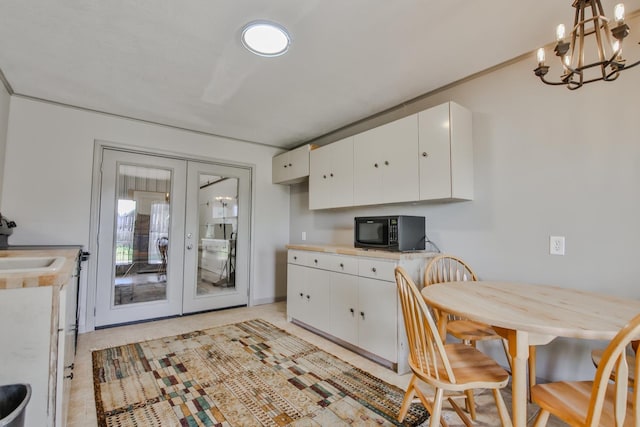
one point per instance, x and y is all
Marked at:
(426, 349)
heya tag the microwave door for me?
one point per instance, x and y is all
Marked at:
(373, 233)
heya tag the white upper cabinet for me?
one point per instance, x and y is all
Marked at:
(446, 153)
(292, 166)
(425, 156)
(331, 175)
(385, 163)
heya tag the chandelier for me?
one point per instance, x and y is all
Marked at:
(591, 52)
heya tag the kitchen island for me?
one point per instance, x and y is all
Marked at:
(38, 300)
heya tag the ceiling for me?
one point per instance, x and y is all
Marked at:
(181, 62)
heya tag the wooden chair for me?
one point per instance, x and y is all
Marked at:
(448, 268)
(598, 402)
(456, 368)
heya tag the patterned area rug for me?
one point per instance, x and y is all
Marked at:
(246, 374)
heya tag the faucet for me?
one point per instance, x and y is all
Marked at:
(6, 228)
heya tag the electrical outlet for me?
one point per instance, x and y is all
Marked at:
(304, 236)
(556, 245)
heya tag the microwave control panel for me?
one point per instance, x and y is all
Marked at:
(393, 231)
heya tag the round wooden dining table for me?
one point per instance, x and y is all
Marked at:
(527, 314)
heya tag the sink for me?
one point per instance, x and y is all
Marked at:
(45, 264)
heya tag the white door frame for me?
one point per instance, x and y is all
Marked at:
(92, 265)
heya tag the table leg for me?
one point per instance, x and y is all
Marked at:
(519, 351)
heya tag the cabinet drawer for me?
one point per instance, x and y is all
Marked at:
(297, 257)
(319, 260)
(343, 264)
(376, 269)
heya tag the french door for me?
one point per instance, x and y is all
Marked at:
(173, 237)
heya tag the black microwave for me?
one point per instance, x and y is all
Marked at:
(391, 233)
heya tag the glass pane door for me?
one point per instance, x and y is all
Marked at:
(140, 238)
(216, 259)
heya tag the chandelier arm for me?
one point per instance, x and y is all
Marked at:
(626, 67)
(551, 83)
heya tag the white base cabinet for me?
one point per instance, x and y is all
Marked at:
(353, 300)
(38, 348)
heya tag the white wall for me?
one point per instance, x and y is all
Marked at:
(4, 124)
(48, 173)
(548, 161)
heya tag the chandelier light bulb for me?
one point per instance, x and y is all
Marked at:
(540, 55)
(618, 13)
(560, 32)
(617, 48)
(567, 60)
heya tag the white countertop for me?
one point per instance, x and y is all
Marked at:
(370, 253)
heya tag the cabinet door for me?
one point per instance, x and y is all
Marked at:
(296, 291)
(367, 174)
(446, 153)
(400, 171)
(386, 167)
(317, 299)
(331, 175)
(66, 349)
(435, 153)
(298, 165)
(378, 317)
(344, 307)
(280, 168)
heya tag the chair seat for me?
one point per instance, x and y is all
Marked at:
(569, 401)
(472, 369)
(596, 357)
(470, 330)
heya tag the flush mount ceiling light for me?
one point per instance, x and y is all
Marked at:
(603, 60)
(265, 38)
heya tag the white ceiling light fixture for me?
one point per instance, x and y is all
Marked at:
(265, 38)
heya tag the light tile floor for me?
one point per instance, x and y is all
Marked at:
(82, 412)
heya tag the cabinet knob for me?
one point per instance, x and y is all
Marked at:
(331, 175)
(375, 165)
(374, 269)
(352, 311)
(324, 176)
(308, 297)
(341, 265)
(285, 166)
(386, 162)
(315, 261)
(425, 154)
(301, 295)
(289, 164)
(295, 258)
(362, 315)
(70, 376)
(70, 366)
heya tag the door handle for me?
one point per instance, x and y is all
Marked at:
(189, 246)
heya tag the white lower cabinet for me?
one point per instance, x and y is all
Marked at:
(378, 318)
(38, 346)
(353, 300)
